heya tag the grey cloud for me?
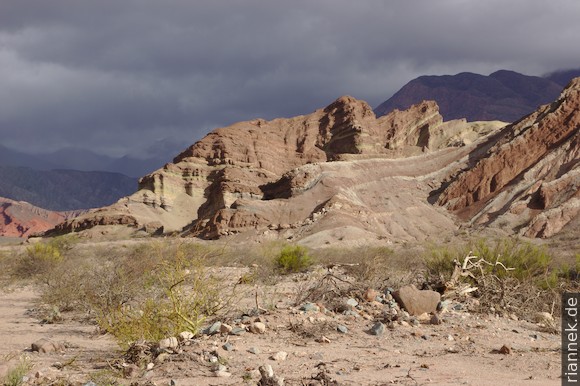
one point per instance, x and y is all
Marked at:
(116, 75)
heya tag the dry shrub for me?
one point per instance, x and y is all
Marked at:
(510, 276)
(374, 267)
(150, 291)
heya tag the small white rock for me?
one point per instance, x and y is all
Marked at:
(185, 336)
(279, 356)
(168, 343)
(257, 328)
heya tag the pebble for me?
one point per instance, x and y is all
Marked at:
(45, 345)
(377, 329)
(257, 328)
(323, 339)
(309, 307)
(371, 295)
(225, 328)
(342, 329)
(170, 343)
(237, 331)
(161, 357)
(214, 328)
(352, 302)
(505, 350)
(279, 356)
(254, 350)
(228, 347)
(185, 335)
(435, 319)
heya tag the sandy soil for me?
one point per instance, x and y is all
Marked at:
(462, 350)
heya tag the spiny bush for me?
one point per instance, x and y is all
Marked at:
(293, 258)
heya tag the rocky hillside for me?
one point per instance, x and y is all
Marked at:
(21, 219)
(503, 95)
(62, 190)
(529, 175)
(260, 174)
(342, 174)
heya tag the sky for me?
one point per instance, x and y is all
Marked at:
(117, 76)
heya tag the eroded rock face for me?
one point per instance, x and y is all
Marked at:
(529, 177)
(210, 187)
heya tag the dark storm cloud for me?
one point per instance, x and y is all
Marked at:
(115, 75)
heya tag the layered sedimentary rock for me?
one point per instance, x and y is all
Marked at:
(529, 177)
(340, 173)
(204, 189)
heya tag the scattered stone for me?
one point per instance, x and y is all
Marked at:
(377, 329)
(268, 378)
(424, 317)
(238, 331)
(214, 328)
(505, 350)
(310, 307)
(323, 339)
(168, 343)
(450, 338)
(228, 346)
(342, 329)
(371, 295)
(352, 302)
(452, 350)
(257, 328)
(436, 319)
(161, 357)
(225, 328)
(279, 356)
(221, 371)
(417, 301)
(254, 350)
(185, 336)
(45, 345)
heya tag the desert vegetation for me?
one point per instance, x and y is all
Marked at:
(142, 291)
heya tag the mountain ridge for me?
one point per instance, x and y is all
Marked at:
(503, 95)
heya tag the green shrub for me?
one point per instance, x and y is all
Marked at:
(525, 261)
(293, 258)
(509, 274)
(176, 295)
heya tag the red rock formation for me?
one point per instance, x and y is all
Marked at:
(21, 219)
(530, 177)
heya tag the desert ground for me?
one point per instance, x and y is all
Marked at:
(321, 326)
